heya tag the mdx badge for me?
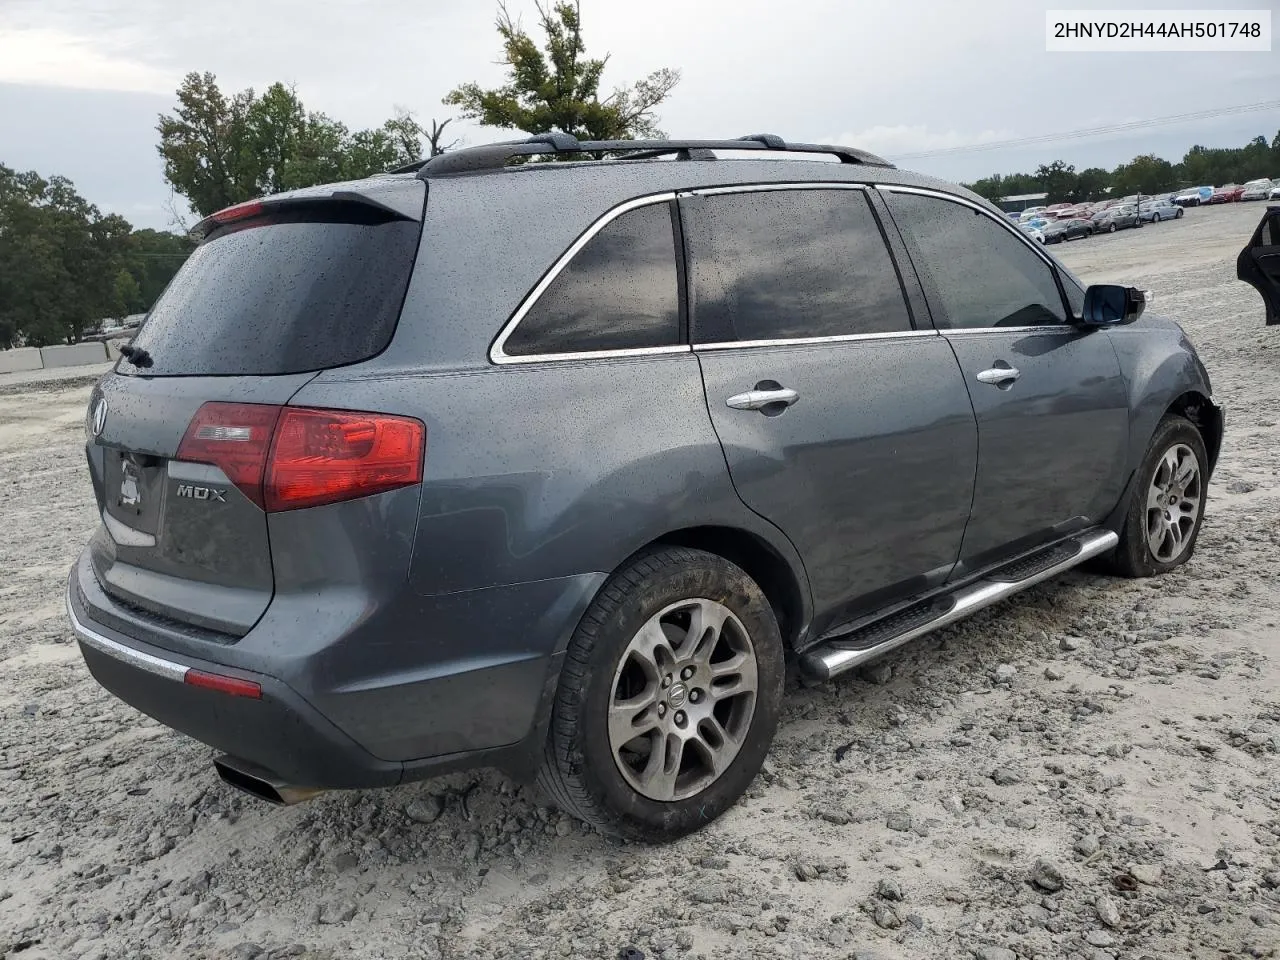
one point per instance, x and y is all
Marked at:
(192, 492)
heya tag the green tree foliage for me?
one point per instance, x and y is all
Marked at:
(1146, 174)
(64, 265)
(558, 87)
(219, 150)
(1057, 179)
(60, 259)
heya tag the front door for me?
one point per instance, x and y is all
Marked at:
(1050, 400)
(843, 424)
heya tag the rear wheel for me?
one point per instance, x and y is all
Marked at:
(1166, 506)
(668, 699)
(1178, 214)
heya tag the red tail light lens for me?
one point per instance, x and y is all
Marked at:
(235, 438)
(323, 456)
(285, 458)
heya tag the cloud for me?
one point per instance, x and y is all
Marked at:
(53, 58)
(900, 140)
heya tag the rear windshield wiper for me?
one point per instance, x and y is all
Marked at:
(136, 355)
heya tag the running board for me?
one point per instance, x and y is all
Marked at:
(834, 657)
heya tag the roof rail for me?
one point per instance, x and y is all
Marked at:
(494, 156)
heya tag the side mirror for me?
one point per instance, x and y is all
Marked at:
(1110, 305)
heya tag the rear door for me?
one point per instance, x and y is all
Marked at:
(842, 423)
(1052, 406)
(177, 436)
(1259, 263)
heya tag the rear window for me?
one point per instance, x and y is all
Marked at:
(291, 294)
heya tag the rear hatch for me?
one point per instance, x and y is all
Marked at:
(1259, 263)
(179, 437)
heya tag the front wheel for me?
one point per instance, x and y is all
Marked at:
(1178, 214)
(668, 698)
(1166, 506)
(1111, 228)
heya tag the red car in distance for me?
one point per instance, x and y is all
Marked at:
(1228, 194)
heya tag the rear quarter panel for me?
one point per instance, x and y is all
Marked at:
(1160, 364)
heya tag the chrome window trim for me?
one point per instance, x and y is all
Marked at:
(497, 353)
(136, 658)
(1026, 241)
(768, 187)
(807, 341)
(1044, 328)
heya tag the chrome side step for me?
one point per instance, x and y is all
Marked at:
(834, 657)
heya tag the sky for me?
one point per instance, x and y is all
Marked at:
(82, 81)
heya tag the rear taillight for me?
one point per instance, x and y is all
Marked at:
(284, 458)
(235, 438)
(323, 456)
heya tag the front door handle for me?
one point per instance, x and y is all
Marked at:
(759, 399)
(998, 375)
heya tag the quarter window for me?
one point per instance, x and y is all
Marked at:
(618, 293)
(982, 274)
(786, 264)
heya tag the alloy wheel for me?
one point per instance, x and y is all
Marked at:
(1173, 503)
(682, 700)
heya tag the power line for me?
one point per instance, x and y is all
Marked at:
(1095, 131)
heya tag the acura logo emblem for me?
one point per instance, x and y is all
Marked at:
(99, 416)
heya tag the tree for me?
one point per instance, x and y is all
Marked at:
(1144, 175)
(60, 259)
(557, 88)
(1058, 180)
(221, 150)
(1092, 183)
(435, 135)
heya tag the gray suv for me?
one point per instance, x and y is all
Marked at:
(551, 466)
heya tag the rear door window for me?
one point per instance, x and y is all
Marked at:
(982, 274)
(619, 292)
(790, 264)
(288, 293)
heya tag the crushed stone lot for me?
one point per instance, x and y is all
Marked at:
(1089, 770)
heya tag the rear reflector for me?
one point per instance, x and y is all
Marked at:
(284, 458)
(229, 685)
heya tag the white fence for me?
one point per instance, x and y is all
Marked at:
(61, 355)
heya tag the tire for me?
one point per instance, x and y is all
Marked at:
(1111, 228)
(1178, 215)
(1135, 556)
(607, 780)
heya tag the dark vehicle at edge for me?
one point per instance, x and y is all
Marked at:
(1259, 263)
(546, 466)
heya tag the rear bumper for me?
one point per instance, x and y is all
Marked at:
(321, 724)
(280, 732)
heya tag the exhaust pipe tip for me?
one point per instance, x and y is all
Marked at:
(257, 782)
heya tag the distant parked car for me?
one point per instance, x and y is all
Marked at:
(1227, 194)
(1061, 230)
(1275, 189)
(1116, 218)
(1193, 197)
(1035, 233)
(1257, 190)
(1032, 212)
(1153, 211)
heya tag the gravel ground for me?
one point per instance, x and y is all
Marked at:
(1087, 771)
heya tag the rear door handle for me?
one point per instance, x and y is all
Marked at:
(759, 399)
(999, 375)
